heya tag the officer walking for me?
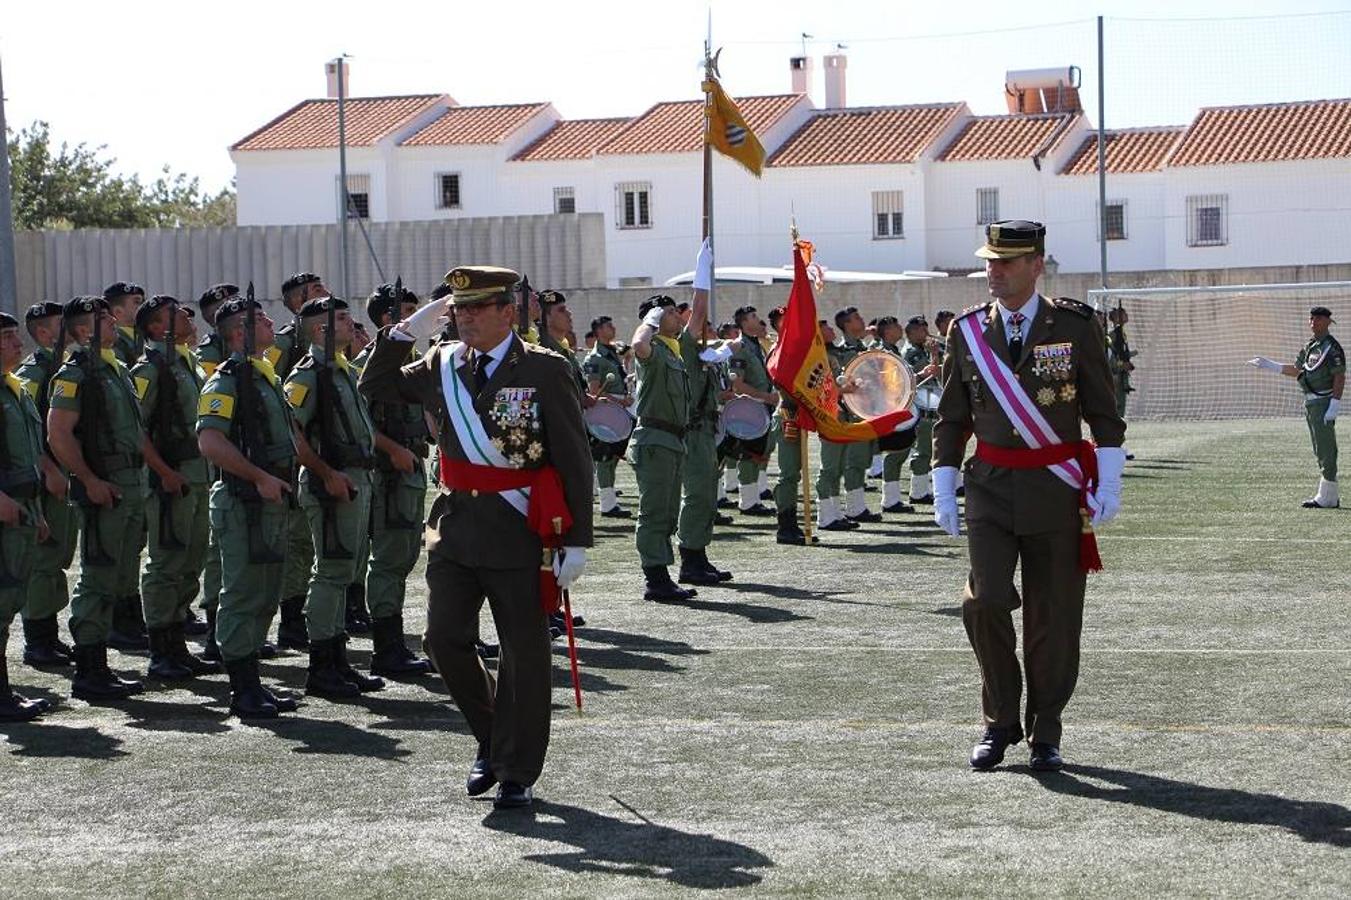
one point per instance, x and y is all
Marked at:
(605, 375)
(245, 430)
(46, 593)
(1320, 369)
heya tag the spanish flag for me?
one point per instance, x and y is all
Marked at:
(728, 132)
(798, 365)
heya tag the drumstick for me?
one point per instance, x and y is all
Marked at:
(609, 377)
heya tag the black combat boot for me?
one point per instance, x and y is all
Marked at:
(42, 646)
(94, 681)
(358, 617)
(210, 649)
(179, 653)
(323, 678)
(693, 569)
(720, 574)
(392, 656)
(291, 631)
(661, 588)
(162, 663)
(13, 707)
(790, 532)
(128, 629)
(364, 683)
(248, 700)
(193, 626)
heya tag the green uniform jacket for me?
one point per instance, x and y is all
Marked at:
(219, 409)
(547, 341)
(36, 373)
(173, 430)
(1321, 360)
(286, 350)
(601, 362)
(748, 361)
(664, 397)
(210, 353)
(705, 385)
(21, 430)
(403, 423)
(129, 346)
(114, 450)
(354, 437)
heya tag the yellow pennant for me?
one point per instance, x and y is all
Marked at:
(728, 132)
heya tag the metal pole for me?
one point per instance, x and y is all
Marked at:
(708, 174)
(9, 277)
(342, 176)
(1102, 166)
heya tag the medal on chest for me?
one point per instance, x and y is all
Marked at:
(1053, 362)
(515, 412)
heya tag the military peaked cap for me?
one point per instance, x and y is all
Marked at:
(1013, 238)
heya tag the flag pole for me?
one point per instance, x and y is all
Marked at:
(710, 71)
(804, 447)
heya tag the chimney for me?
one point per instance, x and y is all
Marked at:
(801, 67)
(835, 64)
(331, 72)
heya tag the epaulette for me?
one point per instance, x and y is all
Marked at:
(1073, 305)
(306, 362)
(540, 348)
(78, 357)
(208, 341)
(979, 307)
(230, 366)
(288, 328)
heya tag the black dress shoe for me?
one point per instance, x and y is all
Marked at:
(724, 503)
(721, 519)
(481, 776)
(757, 509)
(840, 525)
(511, 795)
(766, 494)
(486, 651)
(898, 508)
(617, 512)
(990, 751)
(866, 516)
(1045, 757)
(927, 500)
(267, 651)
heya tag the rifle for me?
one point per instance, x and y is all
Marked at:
(92, 552)
(253, 442)
(161, 426)
(525, 306)
(328, 449)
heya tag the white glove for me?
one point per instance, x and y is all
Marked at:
(945, 500)
(1111, 462)
(1262, 362)
(703, 267)
(653, 318)
(568, 565)
(716, 354)
(425, 322)
(1331, 415)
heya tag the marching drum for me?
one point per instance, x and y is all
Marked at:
(609, 425)
(882, 384)
(743, 429)
(927, 397)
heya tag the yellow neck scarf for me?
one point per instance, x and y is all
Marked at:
(14, 384)
(110, 357)
(264, 368)
(671, 343)
(128, 331)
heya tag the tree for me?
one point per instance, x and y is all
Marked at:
(75, 187)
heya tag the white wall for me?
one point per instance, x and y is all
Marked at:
(953, 234)
(1072, 222)
(300, 187)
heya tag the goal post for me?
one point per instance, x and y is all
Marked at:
(1191, 346)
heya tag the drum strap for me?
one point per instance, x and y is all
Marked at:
(662, 425)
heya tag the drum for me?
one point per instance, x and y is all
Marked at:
(927, 397)
(743, 429)
(609, 425)
(896, 441)
(882, 383)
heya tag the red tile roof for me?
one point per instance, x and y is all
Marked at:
(678, 126)
(861, 136)
(474, 125)
(1317, 129)
(1006, 137)
(1129, 151)
(573, 139)
(313, 124)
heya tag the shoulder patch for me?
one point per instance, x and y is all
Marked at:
(1073, 305)
(296, 393)
(31, 386)
(979, 307)
(272, 354)
(142, 385)
(220, 405)
(63, 389)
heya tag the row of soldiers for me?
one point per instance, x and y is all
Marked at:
(245, 465)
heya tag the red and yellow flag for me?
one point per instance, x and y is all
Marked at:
(728, 132)
(798, 365)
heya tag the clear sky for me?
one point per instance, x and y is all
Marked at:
(178, 82)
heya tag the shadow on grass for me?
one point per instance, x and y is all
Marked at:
(899, 548)
(1314, 821)
(953, 611)
(334, 738)
(47, 739)
(425, 714)
(785, 592)
(190, 717)
(611, 846)
(752, 612)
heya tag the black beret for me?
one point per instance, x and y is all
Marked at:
(80, 306)
(319, 306)
(943, 314)
(654, 301)
(299, 279)
(1320, 311)
(597, 322)
(43, 310)
(914, 321)
(149, 308)
(551, 298)
(218, 293)
(383, 301)
(122, 289)
(8, 321)
(233, 307)
(188, 310)
(886, 322)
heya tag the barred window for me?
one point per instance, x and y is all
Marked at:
(448, 190)
(565, 200)
(1114, 221)
(1207, 220)
(888, 215)
(633, 205)
(358, 201)
(987, 205)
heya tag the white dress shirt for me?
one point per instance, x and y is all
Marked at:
(1029, 311)
(497, 354)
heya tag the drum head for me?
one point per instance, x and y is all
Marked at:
(882, 384)
(745, 418)
(927, 397)
(608, 422)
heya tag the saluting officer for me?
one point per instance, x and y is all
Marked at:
(168, 384)
(336, 447)
(509, 417)
(21, 522)
(1024, 374)
(245, 430)
(47, 593)
(1320, 370)
(95, 432)
(605, 375)
(398, 499)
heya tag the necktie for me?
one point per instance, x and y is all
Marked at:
(481, 372)
(1016, 339)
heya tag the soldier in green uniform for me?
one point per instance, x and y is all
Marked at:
(168, 385)
(287, 349)
(605, 376)
(1320, 369)
(211, 352)
(21, 521)
(699, 475)
(788, 445)
(829, 515)
(47, 593)
(859, 454)
(245, 430)
(1120, 354)
(336, 447)
(128, 628)
(398, 500)
(751, 380)
(922, 355)
(889, 335)
(95, 432)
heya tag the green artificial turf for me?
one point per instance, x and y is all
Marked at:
(802, 730)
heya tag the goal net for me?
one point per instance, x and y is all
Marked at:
(1191, 346)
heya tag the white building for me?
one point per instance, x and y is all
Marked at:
(876, 188)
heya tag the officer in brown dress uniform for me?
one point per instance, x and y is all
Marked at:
(516, 490)
(1051, 353)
